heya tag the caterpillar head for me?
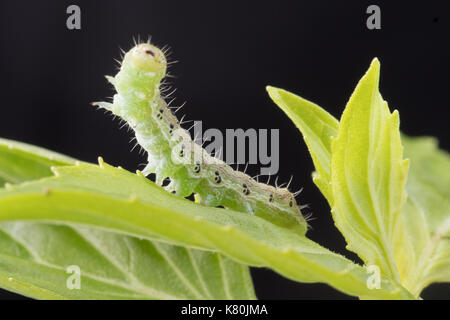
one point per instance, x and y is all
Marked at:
(148, 58)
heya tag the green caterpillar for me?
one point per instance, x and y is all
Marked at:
(172, 153)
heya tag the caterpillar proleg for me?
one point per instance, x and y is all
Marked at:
(172, 153)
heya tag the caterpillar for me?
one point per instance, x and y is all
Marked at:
(174, 155)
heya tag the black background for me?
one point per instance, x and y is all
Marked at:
(228, 52)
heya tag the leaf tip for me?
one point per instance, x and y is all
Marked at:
(270, 89)
(273, 93)
(374, 69)
(375, 62)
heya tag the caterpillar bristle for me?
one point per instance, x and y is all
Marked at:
(191, 127)
(168, 53)
(289, 183)
(178, 108)
(171, 101)
(296, 193)
(135, 145)
(141, 164)
(304, 206)
(256, 177)
(282, 185)
(165, 83)
(186, 122)
(166, 50)
(163, 90)
(182, 119)
(170, 93)
(125, 124)
(308, 217)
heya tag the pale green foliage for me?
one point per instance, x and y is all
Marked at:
(113, 266)
(21, 162)
(95, 196)
(364, 184)
(34, 254)
(98, 217)
(317, 127)
(368, 175)
(423, 251)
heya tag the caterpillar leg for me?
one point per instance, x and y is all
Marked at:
(111, 80)
(103, 105)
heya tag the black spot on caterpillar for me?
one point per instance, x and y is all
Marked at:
(172, 153)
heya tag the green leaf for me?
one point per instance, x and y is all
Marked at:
(113, 266)
(423, 244)
(34, 256)
(116, 200)
(21, 162)
(318, 127)
(421, 238)
(368, 175)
